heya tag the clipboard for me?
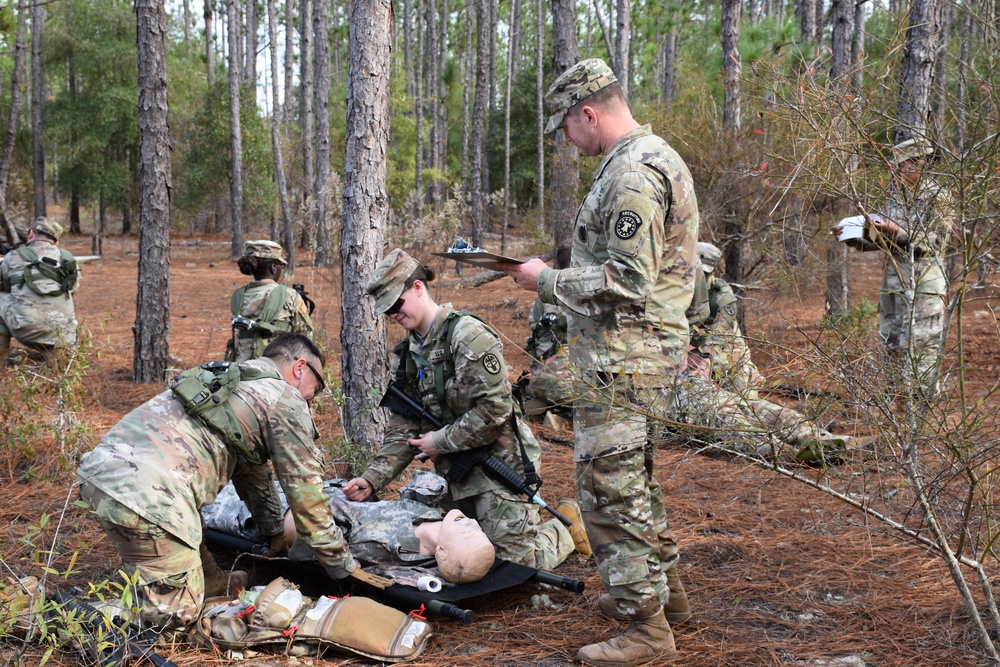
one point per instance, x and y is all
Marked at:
(485, 260)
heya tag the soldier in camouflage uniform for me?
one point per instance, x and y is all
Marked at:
(629, 282)
(452, 364)
(264, 308)
(38, 312)
(551, 382)
(152, 472)
(913, 231)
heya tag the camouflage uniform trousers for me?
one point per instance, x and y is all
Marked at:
(515, 529)
(171, 583)
(899, 333)
(621, 502)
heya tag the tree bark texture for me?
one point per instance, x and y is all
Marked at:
(480, 109)
(209, 44)
(511, 55)
(917, 70)
(940, 102)
(566, 157)
(321, 39)
(731, 63)
(152, 307)
(408, 47)
(250, 60)
(540, 110)
(418, 117)
(623, 34)
(306, 119)
(235, 132)
(279, 167)
(466, 117)
(289, 58)
(7, 221)
(961, 96)
(37, 103)
(805, 12)
(366, 214)
(439, 193)
(430, 92)
(858, 45)
(840, 40)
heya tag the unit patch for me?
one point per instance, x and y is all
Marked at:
(492, 364)
(627, 225)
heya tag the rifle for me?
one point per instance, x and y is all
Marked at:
(396, 400)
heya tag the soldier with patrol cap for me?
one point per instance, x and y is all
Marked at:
(451, 363)
(913, 230)
(37, 282)
(264, 308)
(153, 471)
(630, 279)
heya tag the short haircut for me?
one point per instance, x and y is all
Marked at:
(605, 99)
(288, 347)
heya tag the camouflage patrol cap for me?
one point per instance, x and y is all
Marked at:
(911, 149)
(575, 85)
(390, 278)
(709, 255)
(264, 249)
(47, 226)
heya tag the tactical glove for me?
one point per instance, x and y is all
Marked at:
(371, 579)
(278, 545)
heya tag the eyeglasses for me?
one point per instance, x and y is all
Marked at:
(319, 377)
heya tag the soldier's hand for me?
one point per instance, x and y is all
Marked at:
(371, 579)
(279, 543)
(358, 489)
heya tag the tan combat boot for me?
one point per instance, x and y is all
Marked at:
(675, 611)
(571, 510)
(645, 640)
(218, 581)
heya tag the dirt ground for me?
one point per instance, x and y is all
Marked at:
(777, 573)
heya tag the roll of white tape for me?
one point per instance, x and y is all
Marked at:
(429, 584)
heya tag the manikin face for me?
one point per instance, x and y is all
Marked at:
(463, 552)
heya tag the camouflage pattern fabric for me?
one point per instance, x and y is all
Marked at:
(631, 278)
(914, 284)
(479, 395)
(632, 270)
(28, 317)
(162, 465)
(551, 375)
(575, 85)
(294, 312)
(732, 367)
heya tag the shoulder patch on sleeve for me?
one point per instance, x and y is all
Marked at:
(630, 222)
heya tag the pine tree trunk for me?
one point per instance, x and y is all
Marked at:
(731, 63)
(441, 114)
(306, 118)
(480, 110)
(235, 132)
(670, 47)
(279, 165)
(491, 107)
(805, 12)
(511, 56)
(961, 97)
(418, 116)
(917, 69)
(321, 37)
(250, 62)
(430, 74)
(37, 103)
(566, 157)
(540, 111)
(13, 111)
(408, 47)
(187, 23)
(940, 105)
(152, 309)
(858, 45)
(466, 120)
(209, 44)
(623, 34)
(289, 64)
(366, 214)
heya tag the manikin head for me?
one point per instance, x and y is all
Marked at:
(463, 552)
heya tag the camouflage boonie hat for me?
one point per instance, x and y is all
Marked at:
(390, 276)
(709, 255)
(575, 85)
(264, 249)
(47, 226)
(911, 149)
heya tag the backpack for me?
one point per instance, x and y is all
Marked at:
(263, 328)
(63, 272)
(204, 392)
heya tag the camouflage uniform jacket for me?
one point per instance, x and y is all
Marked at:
(547, 323)
(293, 313)
(165, 465)
(633, 264)
(30, 317)
(478, 395)
(916, 254)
